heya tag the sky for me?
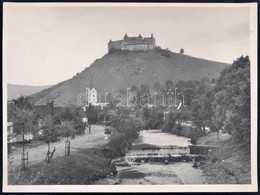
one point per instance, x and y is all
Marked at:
(45, 45)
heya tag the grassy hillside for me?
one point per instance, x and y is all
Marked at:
(229, 164)
(82, 167)
(15, 91)
(119, 70)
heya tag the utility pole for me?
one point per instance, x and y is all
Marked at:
(175, 96)
(67, 145)
(23, 159)
(89, 118)
(23, 155)
(51, 106)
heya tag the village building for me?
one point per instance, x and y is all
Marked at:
(133, 44)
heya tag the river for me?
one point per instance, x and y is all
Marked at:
(152, 174)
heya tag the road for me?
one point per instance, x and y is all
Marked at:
(38, 154)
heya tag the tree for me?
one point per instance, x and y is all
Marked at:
(157, 86)
(170, 123)
(51, 132)
(153, 117)
(168, 85)
(125, 129)
(74, 115)
(201, 111)
(23, 102)
(66, 129)
(231, 103)
(78, 124)
(205, 80)
(23, 121)
(189, 89)
(144, 88)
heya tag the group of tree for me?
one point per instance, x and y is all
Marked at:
(227, 106)
(231, 100)
(220, 104)
(45, 122)
(153, 117)
(124, 128)
(171, 125)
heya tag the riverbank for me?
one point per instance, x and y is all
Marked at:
(229, 164)
(155, 174)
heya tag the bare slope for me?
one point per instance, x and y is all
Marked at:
(15, 91)
(119, 70)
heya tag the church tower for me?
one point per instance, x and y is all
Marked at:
(91, 93)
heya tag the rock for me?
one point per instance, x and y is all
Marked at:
(195, 165)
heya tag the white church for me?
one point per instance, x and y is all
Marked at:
(92, 97)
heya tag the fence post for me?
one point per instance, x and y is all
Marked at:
(27, 159)
(67, 148)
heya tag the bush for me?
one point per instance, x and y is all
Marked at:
(186, 131)
(153, 124)
(108, 130)
(178, 129)
(195, 135)
(166, 53)
(125, 131)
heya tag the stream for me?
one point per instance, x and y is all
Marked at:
(152, 174)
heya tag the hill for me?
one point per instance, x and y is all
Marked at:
(121, 69)
(15, 91)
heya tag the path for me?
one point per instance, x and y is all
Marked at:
(38, 154)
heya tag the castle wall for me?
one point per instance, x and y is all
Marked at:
(140, 47)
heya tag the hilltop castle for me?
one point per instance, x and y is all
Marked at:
(133, 43)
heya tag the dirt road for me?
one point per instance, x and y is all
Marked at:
(38, 154)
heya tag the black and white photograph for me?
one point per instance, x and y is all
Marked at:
(129, 97)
